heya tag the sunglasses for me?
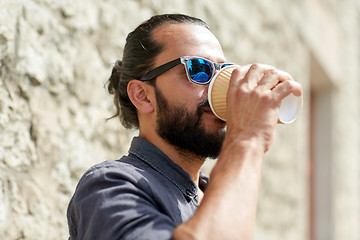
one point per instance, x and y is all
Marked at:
(198, 70)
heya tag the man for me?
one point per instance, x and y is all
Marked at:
(157, 191)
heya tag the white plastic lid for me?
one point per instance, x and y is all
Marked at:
(290, 108)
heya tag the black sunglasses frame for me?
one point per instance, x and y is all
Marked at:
(182, 60)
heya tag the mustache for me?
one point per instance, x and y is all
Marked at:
(202, 106)
(204, 103)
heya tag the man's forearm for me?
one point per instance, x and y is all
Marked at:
(228, 208)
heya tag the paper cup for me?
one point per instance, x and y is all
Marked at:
(217, 91)
(290, 106)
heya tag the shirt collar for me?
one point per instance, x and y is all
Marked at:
(154, 157)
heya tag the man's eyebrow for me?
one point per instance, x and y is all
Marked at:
(215, 60)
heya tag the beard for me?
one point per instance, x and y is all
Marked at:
(185, 131)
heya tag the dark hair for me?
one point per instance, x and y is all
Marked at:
(139, 55)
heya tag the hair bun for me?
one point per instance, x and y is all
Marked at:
(118, 65)
(114, 79)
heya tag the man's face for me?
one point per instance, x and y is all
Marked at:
(184, 117)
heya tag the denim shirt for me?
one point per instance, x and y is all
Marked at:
(144, 195)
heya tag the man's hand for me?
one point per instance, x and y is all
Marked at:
(253, 101)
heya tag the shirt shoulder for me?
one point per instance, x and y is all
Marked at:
(114, 199)
(127, 168)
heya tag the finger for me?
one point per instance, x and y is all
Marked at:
(284, 76)
(284, 88)
(237, 76)
(240, 72)
(271, 78)
(255, 74)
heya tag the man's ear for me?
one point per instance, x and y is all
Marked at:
(141, 95)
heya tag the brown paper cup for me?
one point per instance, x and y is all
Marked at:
(217, 91)
(290, 106)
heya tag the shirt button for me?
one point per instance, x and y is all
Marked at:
(189, 193)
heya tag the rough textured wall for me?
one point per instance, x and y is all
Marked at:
(55, 57)
(346, 164)
(55, 60)
(333, 37)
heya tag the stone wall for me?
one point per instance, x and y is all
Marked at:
(56, 56)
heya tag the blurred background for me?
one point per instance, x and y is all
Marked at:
(56, 56)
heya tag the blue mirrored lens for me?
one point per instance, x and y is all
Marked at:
(200, 70)
(225, 65)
